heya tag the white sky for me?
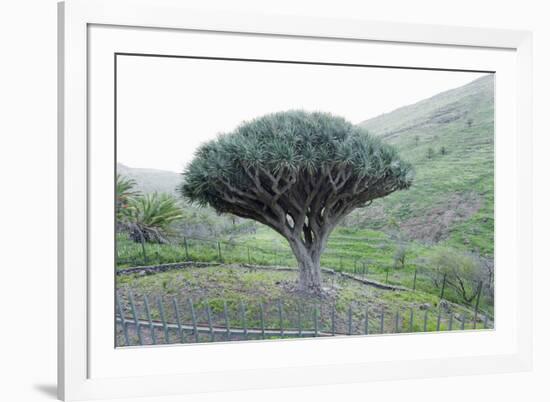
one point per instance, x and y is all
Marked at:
(167, 107)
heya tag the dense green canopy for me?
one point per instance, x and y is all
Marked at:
(289, 145)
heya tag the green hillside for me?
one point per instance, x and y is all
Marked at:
(451, 199)
(151, 180)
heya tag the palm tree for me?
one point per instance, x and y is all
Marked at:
(124, 193)
(151, 216)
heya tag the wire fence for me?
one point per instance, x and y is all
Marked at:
(131, 254)
(159, 320)
(197, 249)
(201, 249)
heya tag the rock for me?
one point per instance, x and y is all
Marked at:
(425, 306)
(142, 272)
(480, 318)
(328, 292)
(336, 287)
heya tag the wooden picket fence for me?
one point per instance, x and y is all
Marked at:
(140, 322)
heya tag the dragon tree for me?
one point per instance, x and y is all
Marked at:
(299, 173)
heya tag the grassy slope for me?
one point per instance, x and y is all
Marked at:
(347, 250)
(452, 196)
(233, 285)
(151, 180)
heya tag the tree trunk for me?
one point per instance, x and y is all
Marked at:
(310, 276)
(309, 265)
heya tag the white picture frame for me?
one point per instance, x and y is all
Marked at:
(90, 368)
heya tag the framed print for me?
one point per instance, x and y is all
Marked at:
(258, 201)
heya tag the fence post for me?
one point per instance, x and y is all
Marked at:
(142, 241)
(397, 322)
(315, 321)
(177, 310)
(438, 318)
(349, 320)
(163, 319)
(157, 252)
(262, 321)
(443, 286)
(220, 252)
(414, 281)
(186, 249)
(209, 318)
(226, 318)
(122, 320)
(280, 309)
(411, 318)
(463, 321)
(149, 318)
(333, 320)
(299, 321)
(477, 302)
(135, 315)
(485, 322)
(243, 318)
(366, 321)
(382, 323)
(425, 321)
(194, 320)
(450, 321)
